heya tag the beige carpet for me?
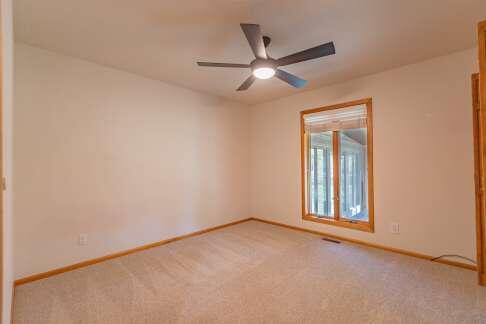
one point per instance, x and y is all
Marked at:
(256, 273)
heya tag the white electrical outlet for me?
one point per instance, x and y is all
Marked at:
(395, 228)
(83, 239)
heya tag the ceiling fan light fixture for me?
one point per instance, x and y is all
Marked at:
(264, 66)
(264, 72)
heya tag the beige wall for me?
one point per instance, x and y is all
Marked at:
(124, 159)
(7, 106)
(423, 155)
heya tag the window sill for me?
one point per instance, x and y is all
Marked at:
(360, 226)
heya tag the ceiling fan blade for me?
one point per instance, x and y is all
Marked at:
(228, 65)
(290, 79)
(308, 54)
(247, 83)
(254, 36)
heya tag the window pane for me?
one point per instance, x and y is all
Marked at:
(353, 174)
(320, 179)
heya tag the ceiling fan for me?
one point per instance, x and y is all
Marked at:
(265, 67)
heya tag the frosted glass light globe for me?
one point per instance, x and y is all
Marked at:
(264, 73)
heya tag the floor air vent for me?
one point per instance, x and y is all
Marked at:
(330, 240)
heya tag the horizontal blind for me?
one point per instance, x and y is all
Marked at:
(336, 119)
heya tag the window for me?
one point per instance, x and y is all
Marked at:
(337, 165)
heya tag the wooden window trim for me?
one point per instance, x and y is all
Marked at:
(357, 225)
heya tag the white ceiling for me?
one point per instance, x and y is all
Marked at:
(162, 39)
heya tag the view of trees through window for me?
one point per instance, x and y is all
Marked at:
(353, 179)
(352, 174)
(321, 174)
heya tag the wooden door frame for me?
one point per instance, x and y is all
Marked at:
(2, 183)
(477, 175)
(480, 103)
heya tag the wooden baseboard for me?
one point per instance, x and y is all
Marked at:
(86, 263)
(118, 254)
(382, 247)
